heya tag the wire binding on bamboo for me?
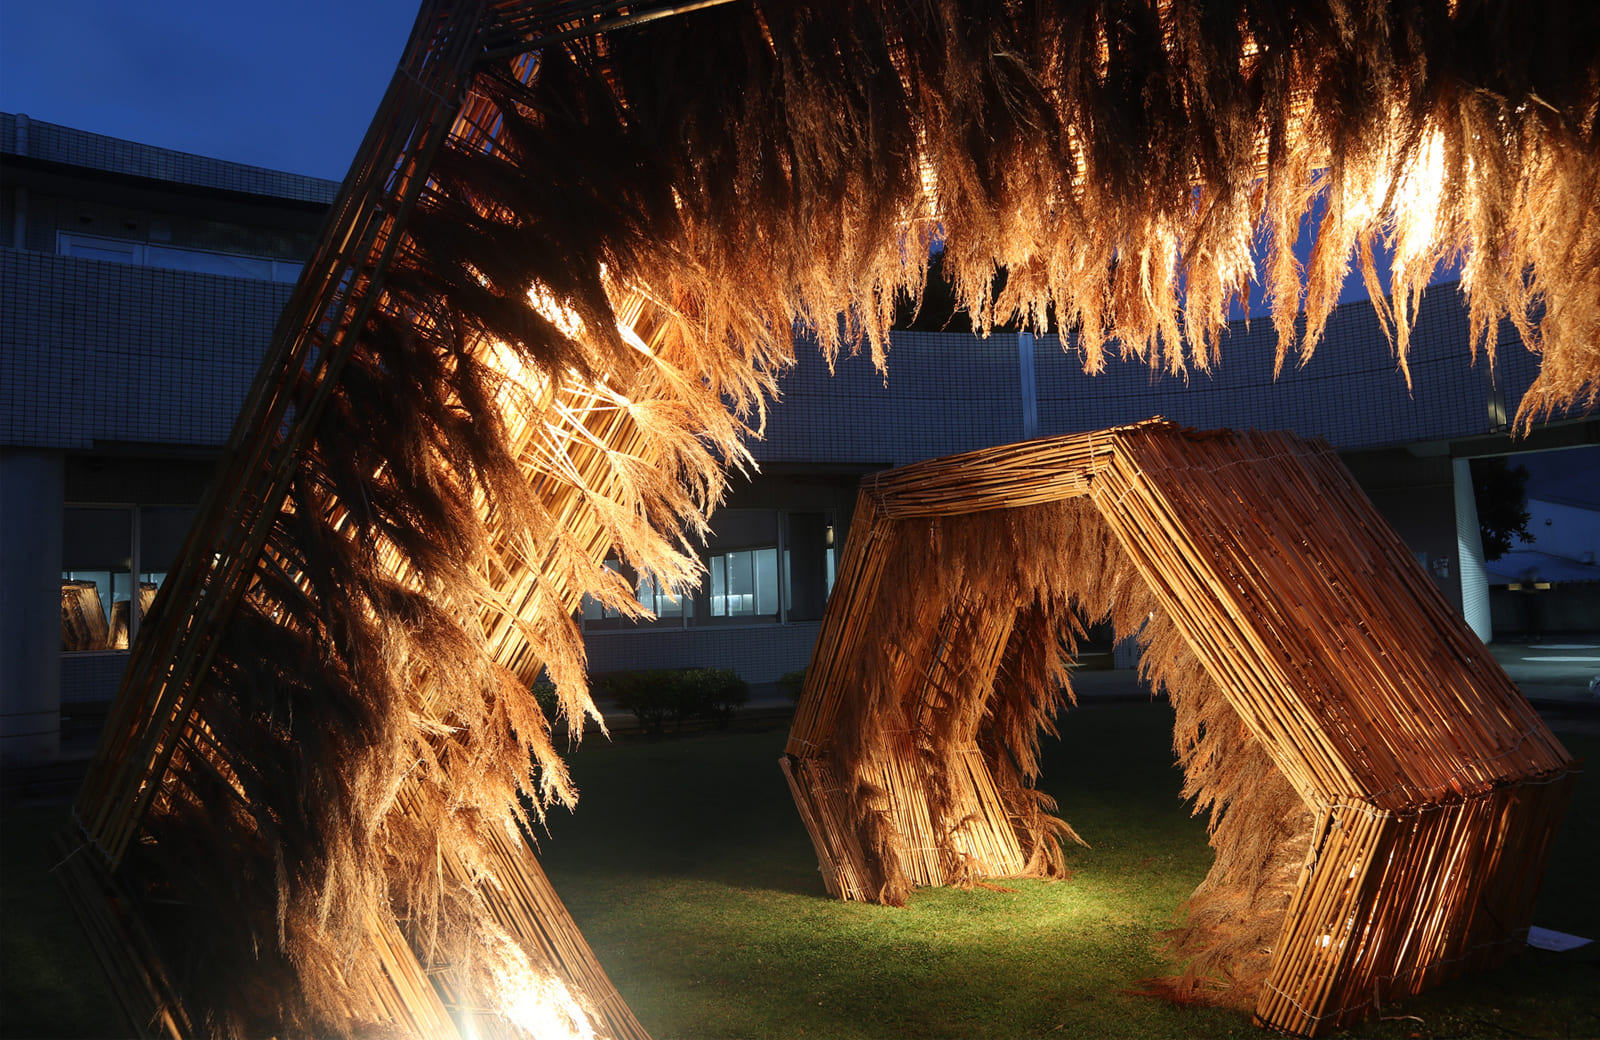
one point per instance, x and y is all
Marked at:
(1284, 618)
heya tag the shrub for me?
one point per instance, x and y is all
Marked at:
(544, 693)
(649, 695)
(714, 693)
(791, 683)
(657, 694)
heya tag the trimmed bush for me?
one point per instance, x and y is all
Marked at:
(649, 695)
(715, 693)
(544, 693)
(657, 695)
(792, 683)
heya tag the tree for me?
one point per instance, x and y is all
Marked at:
(1501, 492)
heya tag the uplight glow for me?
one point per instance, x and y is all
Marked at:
(542, 1006)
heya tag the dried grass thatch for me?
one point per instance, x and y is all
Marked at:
(122, 615)
(1335, 716)
(1126, 164)
(1122, 162)
(555, 267)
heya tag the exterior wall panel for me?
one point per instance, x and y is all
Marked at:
(94, 351)
(759, 653)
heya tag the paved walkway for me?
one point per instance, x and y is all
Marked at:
(1558, 671)
(1561, 668)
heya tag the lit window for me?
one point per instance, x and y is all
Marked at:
(658, 599)
(744, 583)
(761, 566)
(651, 594)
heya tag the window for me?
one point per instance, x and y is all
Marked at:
(652, 595)
(762, 565)
(744, 583)
(107, 552)
(807, 565)
(662, 601)
(177, 258)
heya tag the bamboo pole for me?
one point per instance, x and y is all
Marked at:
(313, 337)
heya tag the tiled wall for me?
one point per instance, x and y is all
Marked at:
(90, 680)
(944, 394)
(1351, 391)
(949, 393)
(91, 350)
(759, 653)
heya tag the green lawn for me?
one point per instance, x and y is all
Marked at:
(693, 879)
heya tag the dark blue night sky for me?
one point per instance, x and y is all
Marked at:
(289, 84)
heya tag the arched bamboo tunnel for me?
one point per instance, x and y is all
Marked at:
(1329, 699)
(547, 308)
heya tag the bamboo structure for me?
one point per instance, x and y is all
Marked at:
(399, 890)
(121, 614)
(1331, 705)
(83, 617)
(547, 309)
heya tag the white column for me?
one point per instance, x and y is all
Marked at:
(1469, 554)
(30, 606)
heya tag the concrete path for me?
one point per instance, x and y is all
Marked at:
(1561, 668)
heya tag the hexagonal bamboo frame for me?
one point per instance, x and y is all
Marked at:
(1435, 788)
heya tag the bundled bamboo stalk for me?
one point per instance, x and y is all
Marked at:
(131, 971)
(121, 614)
(1331, 705)
(83, 617)
(581, 468)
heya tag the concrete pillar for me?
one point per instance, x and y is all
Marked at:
(30, 606)
(1469, 554)
(1027, 378)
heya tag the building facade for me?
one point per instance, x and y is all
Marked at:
(140, 286)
